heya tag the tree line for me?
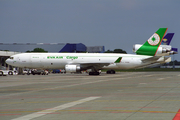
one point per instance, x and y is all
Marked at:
(37, 50)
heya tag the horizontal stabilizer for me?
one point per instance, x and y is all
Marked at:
(154, 58)
(156, 62)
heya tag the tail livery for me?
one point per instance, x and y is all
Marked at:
(166, 43)
(167, 39)
(151, 46)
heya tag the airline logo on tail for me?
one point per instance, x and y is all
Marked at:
(167, 39)
(150, 47)
(154, 39)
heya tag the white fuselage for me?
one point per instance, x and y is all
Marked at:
(59, 60)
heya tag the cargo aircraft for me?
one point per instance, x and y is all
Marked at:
(148, 53)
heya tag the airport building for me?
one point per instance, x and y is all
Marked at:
(51, 47)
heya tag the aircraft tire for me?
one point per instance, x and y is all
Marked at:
(94, 73)
(111, 72)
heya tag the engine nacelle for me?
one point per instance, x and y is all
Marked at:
(136, 47)
(162, 50)
(148, 50)
(72, 68)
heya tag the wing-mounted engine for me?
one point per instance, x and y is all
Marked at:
(72, 68)
(95, 67)
(145, 50)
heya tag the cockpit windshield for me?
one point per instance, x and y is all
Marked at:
(11, 58)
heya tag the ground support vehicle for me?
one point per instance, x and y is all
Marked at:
(3, 72)
(26, 71)
(39, 72)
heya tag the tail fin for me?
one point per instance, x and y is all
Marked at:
(165, 44)
(167, 39)
(151, 46)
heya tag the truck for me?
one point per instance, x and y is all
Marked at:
(4, 72)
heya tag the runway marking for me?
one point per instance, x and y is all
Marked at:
(115, 107)
(119, 112)
(61, 108)
(78, 107)
(177, 116)
(149, 107)
(72, 85)
(59, 111)
(83, 112)
(52, 110)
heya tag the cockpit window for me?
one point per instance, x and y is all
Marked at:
(12, 58)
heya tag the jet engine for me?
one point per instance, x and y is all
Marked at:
(147, 50)
(72, 68)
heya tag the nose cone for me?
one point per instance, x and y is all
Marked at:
(9, 61)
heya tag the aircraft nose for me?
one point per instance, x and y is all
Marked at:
(9, 61)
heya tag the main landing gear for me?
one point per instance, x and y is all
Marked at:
(94, 73)
(111, 72)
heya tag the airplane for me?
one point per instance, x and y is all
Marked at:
(149, 53)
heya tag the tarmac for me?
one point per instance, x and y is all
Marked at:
(120, 96)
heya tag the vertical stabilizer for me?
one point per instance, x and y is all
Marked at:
(151, 46)
(167, 39)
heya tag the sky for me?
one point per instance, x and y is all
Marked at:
(115, 24)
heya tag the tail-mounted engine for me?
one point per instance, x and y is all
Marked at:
(147, 50)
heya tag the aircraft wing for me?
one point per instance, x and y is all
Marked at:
(95, 66)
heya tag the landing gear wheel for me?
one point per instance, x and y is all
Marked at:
(94, 73)
(111, 72)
